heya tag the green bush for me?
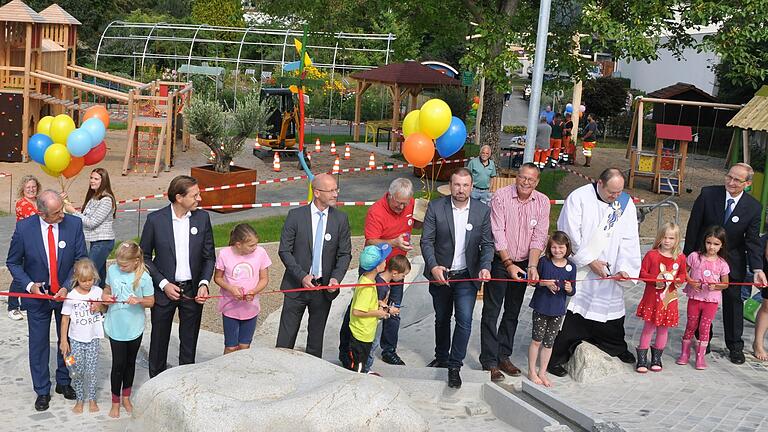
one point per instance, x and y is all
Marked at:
(514, 130)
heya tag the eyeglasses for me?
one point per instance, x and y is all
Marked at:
(329, 190)
(527, 179)
(729, 178)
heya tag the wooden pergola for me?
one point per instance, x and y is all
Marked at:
(400, 79)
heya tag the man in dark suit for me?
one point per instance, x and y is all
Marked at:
(739, 214)
(456, 244)
(40, 243)
(316, 249)
(177, 241)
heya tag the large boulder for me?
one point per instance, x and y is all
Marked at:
(589, 364)
(273, 390)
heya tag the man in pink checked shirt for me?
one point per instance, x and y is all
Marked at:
(520, 223)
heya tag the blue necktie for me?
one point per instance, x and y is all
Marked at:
(316, 255)
(728, 210)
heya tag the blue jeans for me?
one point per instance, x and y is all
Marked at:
(457, 299)
(391, 327)
(483, 195)
(98, 254)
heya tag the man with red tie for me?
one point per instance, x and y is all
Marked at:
(48, 240)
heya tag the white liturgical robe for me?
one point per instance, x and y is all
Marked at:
(585, 219)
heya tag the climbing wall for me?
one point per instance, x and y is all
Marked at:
(11, 105)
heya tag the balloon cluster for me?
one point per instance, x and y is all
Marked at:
(475, 105)
(62, 149)
(569, 109)
(433, 121)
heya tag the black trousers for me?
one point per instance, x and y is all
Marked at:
(123, 365)
(190, 315)
(608, 336)
(318, 305)
(358, 353)
(498, 338)
(390, 327)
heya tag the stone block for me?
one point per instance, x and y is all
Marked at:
(589, 364)
(271, 389)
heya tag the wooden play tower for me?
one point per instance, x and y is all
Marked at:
(39, 77)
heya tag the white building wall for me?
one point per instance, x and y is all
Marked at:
(695, 68)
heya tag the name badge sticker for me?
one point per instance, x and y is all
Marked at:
(62, 244)
(327, 237)
(707, 273)
(675, 266)
(568, 267)
(735, 219)
(469, 227)
(193, 230)
(534, 222)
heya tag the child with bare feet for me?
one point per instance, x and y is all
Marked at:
(81, 332)
(557, 277)
(129, 290)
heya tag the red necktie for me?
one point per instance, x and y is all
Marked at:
(53, 268)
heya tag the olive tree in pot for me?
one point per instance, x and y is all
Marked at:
(225, 133)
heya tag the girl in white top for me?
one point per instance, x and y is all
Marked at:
(81, 321)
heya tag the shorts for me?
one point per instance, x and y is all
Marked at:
(545, 328)
(238, 332)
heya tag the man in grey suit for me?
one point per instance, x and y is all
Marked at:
(456, 244)
(316, 249)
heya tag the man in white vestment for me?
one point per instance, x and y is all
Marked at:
(601, 221)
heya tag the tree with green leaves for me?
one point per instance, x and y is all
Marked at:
(226, 13)
(605, 97)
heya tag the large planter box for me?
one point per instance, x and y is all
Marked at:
(441, 173)
(207, 177)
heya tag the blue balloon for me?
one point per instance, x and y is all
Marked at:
(79, 142)
(96, 129)
(569, 108)
(37, 145)
(453, 139)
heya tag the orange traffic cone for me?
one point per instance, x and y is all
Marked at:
(336, 168)
(372, 161)
(347, 154)
(317, 145)
(333, 147)
(276, 162)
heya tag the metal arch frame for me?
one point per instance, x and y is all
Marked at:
(146, 44)
(101, 39)
(285, 45)
(192, 46)
(237, 66)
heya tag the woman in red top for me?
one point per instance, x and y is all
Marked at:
(26, 206)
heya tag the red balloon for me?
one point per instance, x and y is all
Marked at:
(96, 154)
(76, 164)
(418, 149)
(476, 99)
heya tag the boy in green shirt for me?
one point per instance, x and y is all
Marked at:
(365, 309)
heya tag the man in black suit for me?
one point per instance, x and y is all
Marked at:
(456, 244)
(179, 254)
(739, 214)
(316, 249)
(49, 240)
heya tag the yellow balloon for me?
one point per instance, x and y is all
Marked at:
(61, 126)
(411, 123)
(57, 157)
(434, 118)
(44, 125)
(53, 174)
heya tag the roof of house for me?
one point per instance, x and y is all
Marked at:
(57, 15)
(673, 132)
(17, 11)
(754, 115)
(674, 90)
(407, 73)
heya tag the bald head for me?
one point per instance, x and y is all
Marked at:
(325, 190)
(610, 184)
(50, 206)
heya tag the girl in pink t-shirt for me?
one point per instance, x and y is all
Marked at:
(707, 277)
(241, 273)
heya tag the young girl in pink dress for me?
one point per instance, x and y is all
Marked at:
(707, 277)
(665, 266)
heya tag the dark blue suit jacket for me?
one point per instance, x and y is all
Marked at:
(27, 260)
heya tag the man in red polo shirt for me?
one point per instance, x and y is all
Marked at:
(389, 220)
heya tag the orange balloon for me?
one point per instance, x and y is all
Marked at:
(98, 111)
(76, 165)
(418, 149)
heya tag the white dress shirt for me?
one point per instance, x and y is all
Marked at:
(460, 218)
(734, 198)
(44, 229)
(315, 220)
